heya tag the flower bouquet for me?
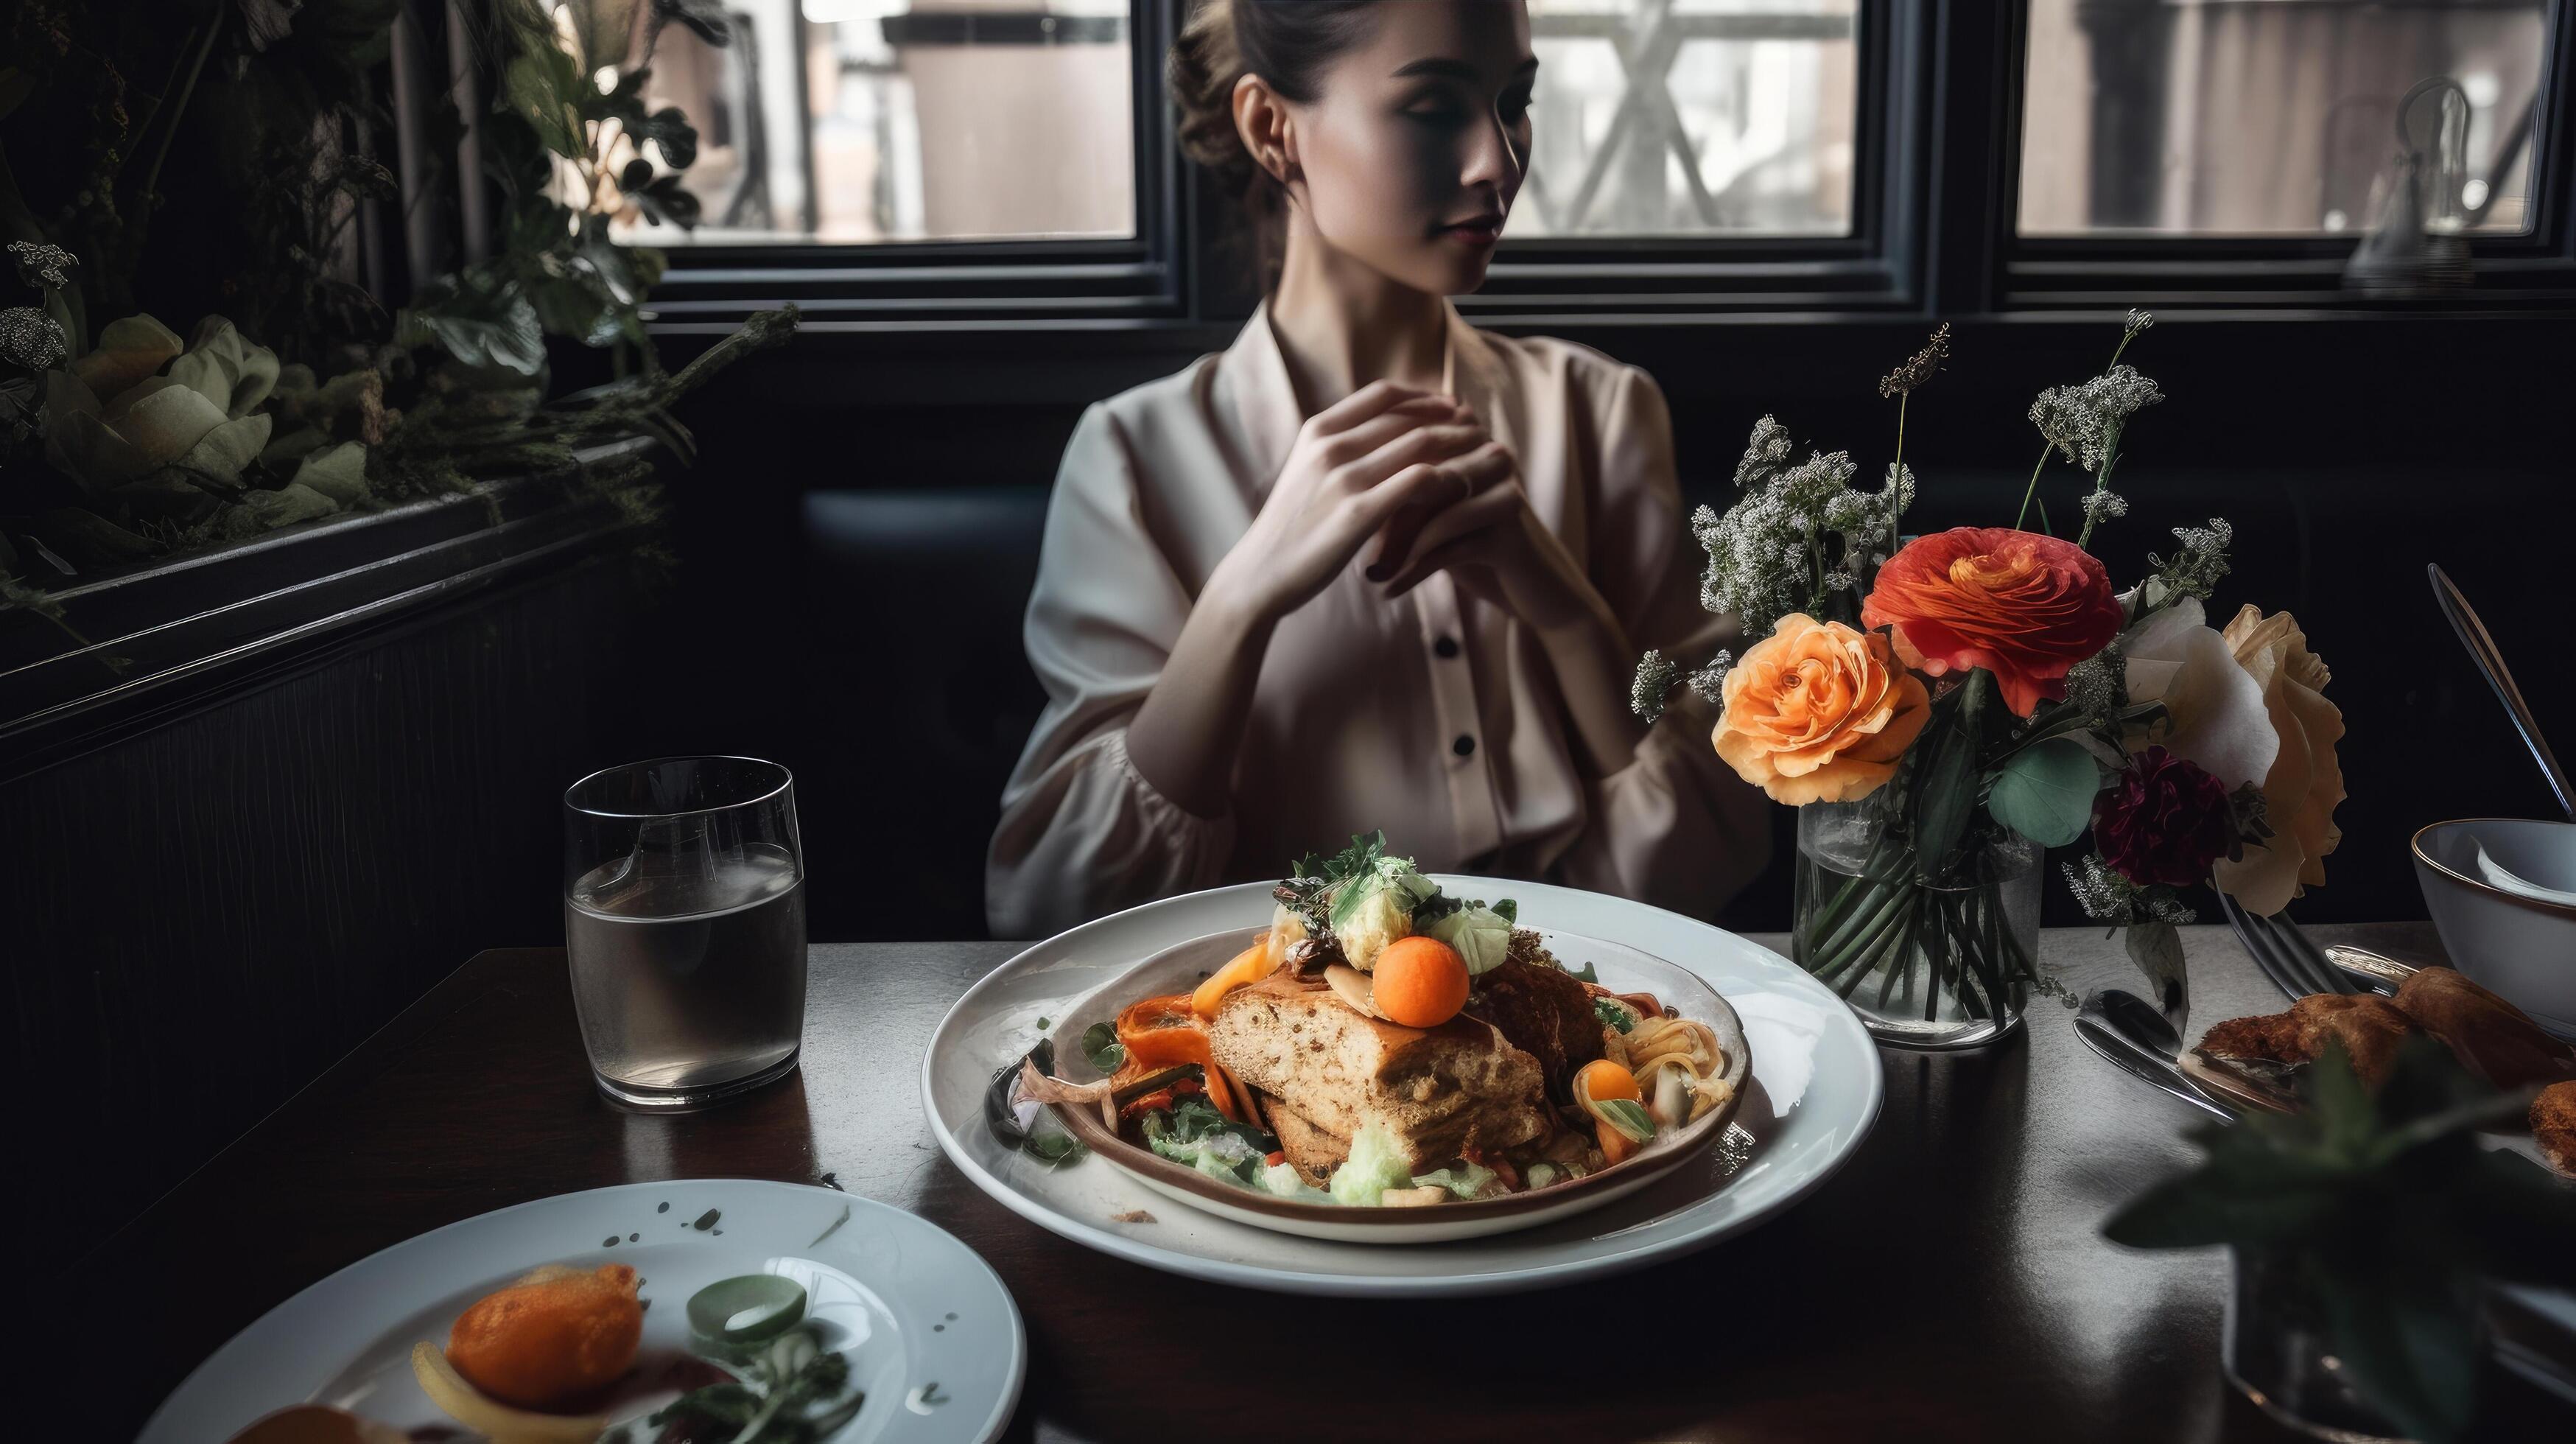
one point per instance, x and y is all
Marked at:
(1943, 708)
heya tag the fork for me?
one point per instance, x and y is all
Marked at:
(2294, 964)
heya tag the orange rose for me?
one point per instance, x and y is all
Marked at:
(2023, 606)
(1819, 712)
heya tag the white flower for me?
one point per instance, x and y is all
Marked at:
(2215, 716)
(124, 431)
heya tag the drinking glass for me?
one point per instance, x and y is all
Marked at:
(684, 915)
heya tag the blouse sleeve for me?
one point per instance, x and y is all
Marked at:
(1675, 827)
(1082, 832)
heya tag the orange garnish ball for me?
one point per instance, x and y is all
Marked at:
(1602, 1078)
(543, 1343)
(1420, 982)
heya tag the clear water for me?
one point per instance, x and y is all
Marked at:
(1908, 991)
(689, 981)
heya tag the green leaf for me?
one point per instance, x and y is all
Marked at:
(670, 130)
(2046, 792)
(1100, 1044)
(2156, 947)
(1613, 1015)
(1945, 792)
(2408, 1342)
(1510, 910)
(529, 83)
(1628, 1116)
(667, 200)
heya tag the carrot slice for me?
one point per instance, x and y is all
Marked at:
(1244, 969)
(1164, 1032)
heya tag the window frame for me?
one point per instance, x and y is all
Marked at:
(907, 284)
(1183, 268)
(2289, 272)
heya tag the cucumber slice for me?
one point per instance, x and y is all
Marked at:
(747, 1309)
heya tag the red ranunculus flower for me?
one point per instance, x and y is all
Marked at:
(2023, 606)
(2164, 821)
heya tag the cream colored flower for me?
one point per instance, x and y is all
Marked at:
(2215, 714)
(115, 422)
(2305, 781)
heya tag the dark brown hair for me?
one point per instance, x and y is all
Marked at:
(1287, 43)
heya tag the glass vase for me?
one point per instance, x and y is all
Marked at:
(2274, 1350)
(1937, 956)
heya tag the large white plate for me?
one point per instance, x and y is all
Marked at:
(1814, 1094)
(930, 1332)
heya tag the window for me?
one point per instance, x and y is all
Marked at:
(2272, 118)
(859, 121)
(1691, 118)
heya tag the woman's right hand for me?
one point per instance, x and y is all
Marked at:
(1354, 466)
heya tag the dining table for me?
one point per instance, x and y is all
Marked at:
(1950, 1281)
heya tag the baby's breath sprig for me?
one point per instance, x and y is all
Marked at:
(1656, 674)
(2195, 569)
(2083, 423)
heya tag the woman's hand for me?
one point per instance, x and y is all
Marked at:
(1500, 552)
(1382, 451)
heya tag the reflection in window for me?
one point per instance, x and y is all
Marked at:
(1690, 117)
(2260, 117)
(883, 120)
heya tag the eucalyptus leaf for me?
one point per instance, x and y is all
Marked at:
(2155, 945)
(2045, 792)
(529, 82)
(669, 129)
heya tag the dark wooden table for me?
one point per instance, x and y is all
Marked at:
(1949, 1283)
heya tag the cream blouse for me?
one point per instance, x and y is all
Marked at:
(1433, 716)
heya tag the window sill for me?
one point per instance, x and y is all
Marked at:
(154, 638)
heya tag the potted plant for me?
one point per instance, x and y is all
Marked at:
(2367, 1231)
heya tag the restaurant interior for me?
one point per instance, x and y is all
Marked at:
(453, 449)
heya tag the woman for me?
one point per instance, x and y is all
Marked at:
(1370, 567)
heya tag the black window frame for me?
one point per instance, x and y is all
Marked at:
(1935, 234)
(1184, 268)
(2284, 273)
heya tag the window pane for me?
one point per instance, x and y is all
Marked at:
(2256, 117)
(944, 120)
(1690, 118)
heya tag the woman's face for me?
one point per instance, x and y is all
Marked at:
(1416, 145)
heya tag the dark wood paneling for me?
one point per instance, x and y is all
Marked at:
(201, 917)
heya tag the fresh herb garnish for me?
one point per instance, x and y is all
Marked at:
(1361, 856)
(1100, 1044)
(791, 1392)
(1628, 1116)
(1192, 1131)
(1590, 974)
(1613, 1015)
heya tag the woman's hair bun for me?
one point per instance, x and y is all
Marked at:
(1205, 64)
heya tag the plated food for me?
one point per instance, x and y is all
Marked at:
(1383, 1044)
(677, 1310)
(555, 1357)
(2254, 1060)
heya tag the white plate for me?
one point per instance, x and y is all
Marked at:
(930, 1332)
(1814, 1094)
(1621, 969)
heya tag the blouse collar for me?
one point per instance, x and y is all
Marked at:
(1265, 400)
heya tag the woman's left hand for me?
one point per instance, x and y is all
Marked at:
(1499, 551)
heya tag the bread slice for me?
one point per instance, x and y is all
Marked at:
(1441, 1091)
(1309, 1149)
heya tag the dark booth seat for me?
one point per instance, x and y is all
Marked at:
(918, 696)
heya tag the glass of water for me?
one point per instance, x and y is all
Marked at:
(684, 914)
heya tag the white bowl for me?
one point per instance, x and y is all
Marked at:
(2521, 948)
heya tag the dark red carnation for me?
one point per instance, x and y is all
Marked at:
(2164, 820)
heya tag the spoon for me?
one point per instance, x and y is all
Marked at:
(2102, 1024)
(2482, 650)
